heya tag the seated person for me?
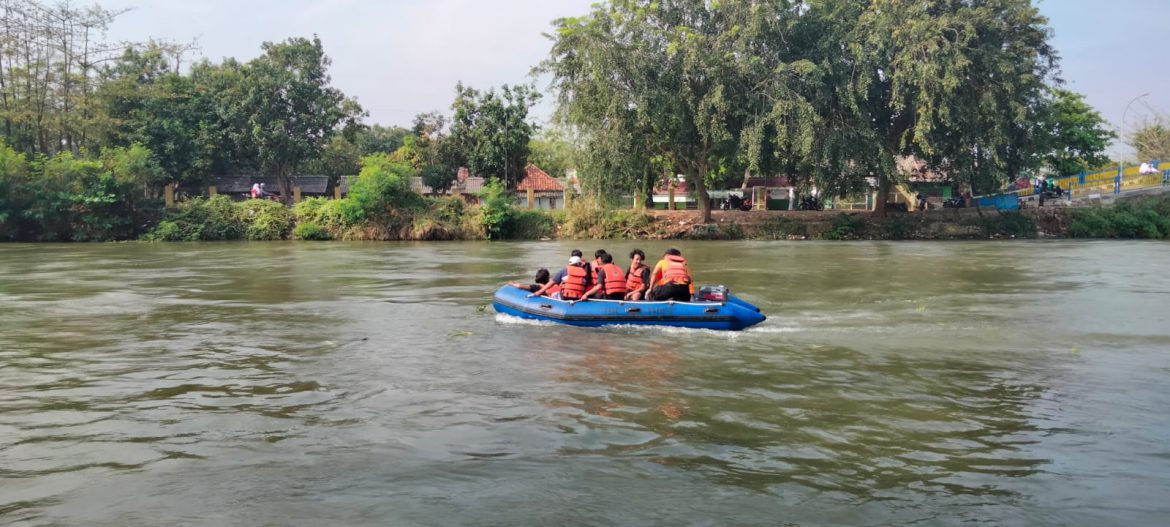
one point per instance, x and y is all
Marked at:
(611, 281)
(573, 280)
(672, 278)
(542, 278)
(637, 277)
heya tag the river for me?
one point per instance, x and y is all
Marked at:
(1006, 382)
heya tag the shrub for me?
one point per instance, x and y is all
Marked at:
(844, 227)
(381, 185)
(266, 220)
(311, 231)
(201, 219)
(897, 227)
(497, 209)
(587, 219)
(1089, 223)
(530, 224)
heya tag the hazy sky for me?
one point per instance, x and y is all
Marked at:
(400, 58)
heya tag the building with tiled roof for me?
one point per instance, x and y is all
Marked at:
(548, 193)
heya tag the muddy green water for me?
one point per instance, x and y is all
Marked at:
(1013, 383)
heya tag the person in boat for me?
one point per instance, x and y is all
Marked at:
(573, 280)
(596, 264)
(611, 281)
(542, 278)
(637, 277)
(672, 278)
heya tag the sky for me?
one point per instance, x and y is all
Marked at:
(400, 58)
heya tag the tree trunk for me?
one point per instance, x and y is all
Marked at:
(698, 178)
(285, 183)
(883, 193)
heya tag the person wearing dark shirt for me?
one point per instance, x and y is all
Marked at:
(541, 279)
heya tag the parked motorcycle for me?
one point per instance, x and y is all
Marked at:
(811, 203)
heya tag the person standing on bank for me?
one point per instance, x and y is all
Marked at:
(672, 278)
(637, 277)
(611, 281)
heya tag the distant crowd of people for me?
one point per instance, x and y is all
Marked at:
(670, 279)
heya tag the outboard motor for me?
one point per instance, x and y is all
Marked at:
(712, 293)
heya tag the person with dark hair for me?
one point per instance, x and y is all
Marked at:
(596, 264)
(542, 278)
(611, 281)
(672, 278)
(568, 278)
(637, 277)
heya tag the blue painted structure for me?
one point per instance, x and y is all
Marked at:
(1009, 201)
(732, 315)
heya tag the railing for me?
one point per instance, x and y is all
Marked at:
(1106, 182)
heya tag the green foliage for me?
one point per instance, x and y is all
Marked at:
(449, 209)
(13, 201)
(527, 224)
(897, 227)
(1077, 135)
(336, 215)
(289, 108)
(585, 219)
(200, 220)
(497, 209)
(1148, 218)
(491, 130)
(311, 231)
(844, 227)
(383, 184)
(265, 220)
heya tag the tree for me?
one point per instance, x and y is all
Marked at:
(290, 110)
(555, 150)
(1076, 134)
(491, 131)
(377, 139)
(1151, 139)
(954, 83)
(699, 83)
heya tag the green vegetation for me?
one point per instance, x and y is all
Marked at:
(827, 94)
(844, 227)
(1145, 218)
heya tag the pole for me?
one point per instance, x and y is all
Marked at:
(1121, 151)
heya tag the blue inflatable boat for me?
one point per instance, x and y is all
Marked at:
(729, 313)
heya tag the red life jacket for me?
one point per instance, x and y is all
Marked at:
(675, 271)
(552, 290)
(596, 265)
(615, 279)
(573, 286)
(634, 279)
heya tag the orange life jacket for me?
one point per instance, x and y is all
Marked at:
(573, 286)
(552, 290)
(615, 279)
(675, 271)
(634, 279)
(596, 265)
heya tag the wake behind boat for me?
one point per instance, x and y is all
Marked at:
(729, 314)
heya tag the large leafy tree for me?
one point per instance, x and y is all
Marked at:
(491, 130)
(1076, 133)
(954, 82)
(290, 110)
(708, 86)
